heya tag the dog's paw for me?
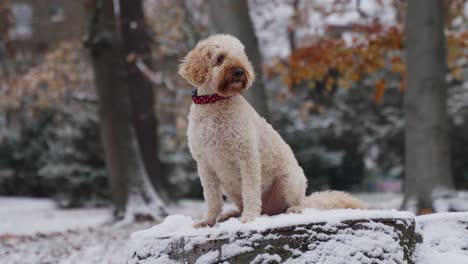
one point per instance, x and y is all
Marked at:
(294, 210)
(228, 215)
(247, 218)
(204, 223)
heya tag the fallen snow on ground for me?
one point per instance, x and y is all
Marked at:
(32, 215)
(445, 239)
(385, 200)
(35, 231)
(103, 244)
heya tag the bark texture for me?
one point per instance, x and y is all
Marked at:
(122, 155)
(136, 43)
(106, 56)
(427, 156)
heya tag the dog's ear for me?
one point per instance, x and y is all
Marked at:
(196, 66)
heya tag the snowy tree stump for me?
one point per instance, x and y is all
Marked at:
(338, 236)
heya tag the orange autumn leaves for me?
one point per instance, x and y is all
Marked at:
(374, 54)
(62, 72)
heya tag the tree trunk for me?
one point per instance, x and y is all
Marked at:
(137, 47)
(232, 17)
(142, 203)
(427, 156)
(292, 40)
(122, 156)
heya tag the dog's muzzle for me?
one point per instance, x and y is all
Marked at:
(234, 82)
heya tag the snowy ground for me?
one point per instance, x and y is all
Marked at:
(28, 216)
(445, 239)
(35, 231)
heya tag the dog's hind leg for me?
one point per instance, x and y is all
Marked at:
(273, 200)
(295, 185)
(295, 193)
(287, 190)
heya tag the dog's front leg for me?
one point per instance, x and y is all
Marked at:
(251, 187)
(212, 194)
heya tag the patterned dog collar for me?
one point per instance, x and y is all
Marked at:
(206, 99)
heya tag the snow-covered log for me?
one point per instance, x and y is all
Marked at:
(336, 236)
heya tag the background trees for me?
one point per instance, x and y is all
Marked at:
(335, 76)
(136, 42)
(371, 53)
(131, 190)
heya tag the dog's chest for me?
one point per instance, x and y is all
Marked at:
(215, 135)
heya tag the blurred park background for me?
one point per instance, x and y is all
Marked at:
(93, 112)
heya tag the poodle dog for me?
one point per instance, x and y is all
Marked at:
(237, 152)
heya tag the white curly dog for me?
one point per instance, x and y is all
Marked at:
(236, 150)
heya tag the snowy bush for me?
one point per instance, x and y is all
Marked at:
(51, 137)
(58, 153)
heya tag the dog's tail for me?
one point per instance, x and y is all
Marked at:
(332, 200)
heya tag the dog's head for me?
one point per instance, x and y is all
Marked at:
(218, 64)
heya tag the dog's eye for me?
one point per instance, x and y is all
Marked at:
(220, 59)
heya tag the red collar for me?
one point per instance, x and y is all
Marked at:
(206, 99)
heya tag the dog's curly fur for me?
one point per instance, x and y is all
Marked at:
(236, 150)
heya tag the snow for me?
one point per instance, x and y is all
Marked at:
(378, 239)
(235, 248)
(177, 226)
(36, 231)
(382, 11)
(458, 99)
(355, 246)
(465, 10)
(105, 244)
(443, 217)
(266, 258)
(208, 257)
(16, 215)
(382, 200)
(445, 238)
(271, 19)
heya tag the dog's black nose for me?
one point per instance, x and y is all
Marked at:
(238, 72)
